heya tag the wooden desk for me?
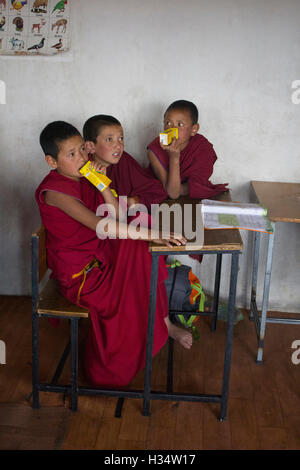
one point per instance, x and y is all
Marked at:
(214, 240)
(217, 242)
(282, 200)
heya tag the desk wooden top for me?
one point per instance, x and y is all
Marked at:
(282, 200)
(214, 240)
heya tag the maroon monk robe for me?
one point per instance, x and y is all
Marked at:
(196, 166)
(130, 179)
(116, 293)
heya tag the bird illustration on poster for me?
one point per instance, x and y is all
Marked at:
(18, 5)
(60, 6)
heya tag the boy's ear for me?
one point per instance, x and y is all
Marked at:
(51, 161)
(195, 129)
(89, 146)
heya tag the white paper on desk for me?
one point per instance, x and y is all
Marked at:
(218, 214)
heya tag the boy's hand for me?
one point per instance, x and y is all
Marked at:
(173, 239)
(132, 200)
(173, 148)
(99, 167)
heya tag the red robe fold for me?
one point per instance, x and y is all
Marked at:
(116, 293)
(130, 179)
(196, 166)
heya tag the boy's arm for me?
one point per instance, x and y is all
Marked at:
(169, 179)
(158, 169)
(111, 200)
(108, 196)
(75, 209)
(184, 189)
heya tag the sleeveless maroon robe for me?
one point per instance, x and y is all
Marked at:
(116, 293)
(196, 166)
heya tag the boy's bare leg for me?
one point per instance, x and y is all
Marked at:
(184, 337)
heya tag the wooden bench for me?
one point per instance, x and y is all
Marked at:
(48, 302)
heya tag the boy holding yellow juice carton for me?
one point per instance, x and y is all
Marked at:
(183, 161)
(104, 141)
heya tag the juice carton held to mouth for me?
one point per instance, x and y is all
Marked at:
(168, 135)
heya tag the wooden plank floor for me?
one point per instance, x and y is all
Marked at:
(263, 408)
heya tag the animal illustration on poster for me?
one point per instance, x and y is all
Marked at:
(35, 27)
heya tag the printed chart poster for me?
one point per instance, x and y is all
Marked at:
(34, 27)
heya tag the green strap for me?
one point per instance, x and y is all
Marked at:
(199, 290)
(195, 333)
(189, 322)
(174, 263)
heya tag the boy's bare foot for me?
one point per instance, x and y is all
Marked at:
(184, 337)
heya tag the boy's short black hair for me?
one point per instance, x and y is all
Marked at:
(184, 105)
(92, 126)
(56, 132)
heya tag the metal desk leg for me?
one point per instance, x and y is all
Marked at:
(264, 310)
(229, 334)
(254, 273)
(74, 363)
(150, 333)
(35, 361)
(216, 291)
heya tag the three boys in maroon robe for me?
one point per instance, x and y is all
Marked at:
(116, 290)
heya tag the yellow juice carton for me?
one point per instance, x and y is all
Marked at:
(168, 135)
(98, 179)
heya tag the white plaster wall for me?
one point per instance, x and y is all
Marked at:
(236, 59)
